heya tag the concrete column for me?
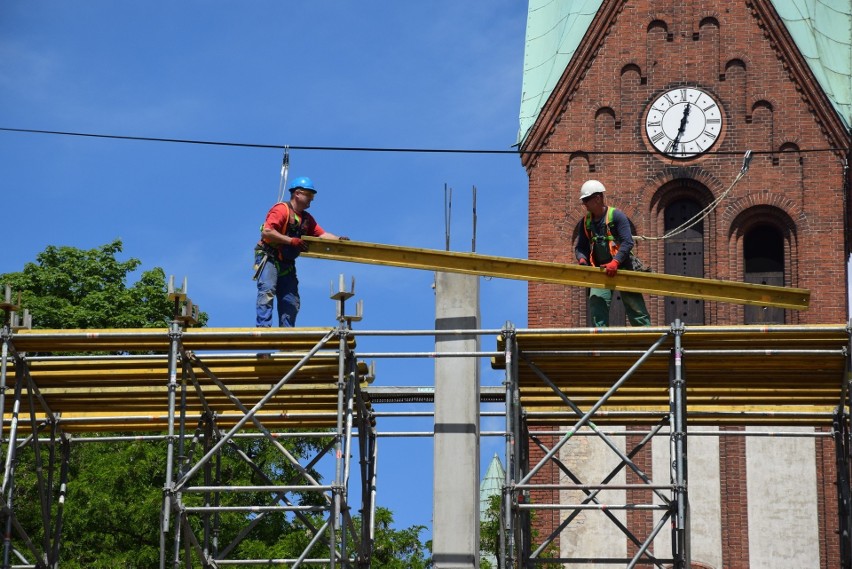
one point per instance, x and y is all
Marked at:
(455, 519)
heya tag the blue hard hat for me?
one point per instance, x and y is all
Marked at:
(303, 183)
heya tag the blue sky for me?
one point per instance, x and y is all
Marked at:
(385, 74)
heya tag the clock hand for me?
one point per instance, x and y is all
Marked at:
(682, 128)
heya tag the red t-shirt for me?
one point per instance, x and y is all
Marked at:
(279, 216)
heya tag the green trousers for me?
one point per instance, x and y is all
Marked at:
(600, 300)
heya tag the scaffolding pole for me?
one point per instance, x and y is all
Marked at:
(207, 381)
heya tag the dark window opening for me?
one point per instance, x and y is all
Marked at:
(763, 254)
(684, 256)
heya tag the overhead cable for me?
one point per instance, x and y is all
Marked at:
(381, 149)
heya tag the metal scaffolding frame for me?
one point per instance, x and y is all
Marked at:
(202, 402)
(743, 375)
(199, 401)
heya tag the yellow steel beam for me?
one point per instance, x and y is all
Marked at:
(558, 273)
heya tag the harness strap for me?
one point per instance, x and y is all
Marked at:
(594, 238)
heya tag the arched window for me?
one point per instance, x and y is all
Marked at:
(763, 253)
(684, 256)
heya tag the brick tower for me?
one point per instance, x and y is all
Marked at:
(607, 89)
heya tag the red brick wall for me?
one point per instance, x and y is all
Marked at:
(640, 522)
(829, 539)
(732, 473)
(545, 521)
(719, 46)
(595, 117)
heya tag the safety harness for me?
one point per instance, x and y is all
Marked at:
(594, 239)
(285, 257)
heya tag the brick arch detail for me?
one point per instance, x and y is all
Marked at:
(652, 190)
(787, 147)
(777, 213)
(654, 49)
(629, 79)
(631, 67)
(737, 60)
(707, 25)
(709, 18)
(733, 216)
(582, 162)
(605, 111)
(672, 184)
(657, 21)
(759, 101)
(669, 185)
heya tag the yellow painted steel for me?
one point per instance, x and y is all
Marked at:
(157, 339)
(102, 392)
(740, 375)
(558, 273)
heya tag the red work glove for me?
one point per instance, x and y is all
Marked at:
(298, 244)
(583, 261)
(611, 268)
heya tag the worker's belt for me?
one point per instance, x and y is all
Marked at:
(284, 266)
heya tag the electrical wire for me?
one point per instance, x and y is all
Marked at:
(382, 149)
(701, 215)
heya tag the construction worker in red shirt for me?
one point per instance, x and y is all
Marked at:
(275, 254)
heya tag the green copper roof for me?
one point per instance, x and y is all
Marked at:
(822, 29)
(554, 30)
(491, 484)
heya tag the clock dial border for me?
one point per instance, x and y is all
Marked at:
(688, 116)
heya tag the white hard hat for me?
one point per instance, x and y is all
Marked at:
(591, 187)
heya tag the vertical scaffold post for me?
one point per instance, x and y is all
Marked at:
(338, 456)
(9, 309)
(677, 402)
(840, 432)
(169, 486)
(507, 542)
(9, 471)
(842, 444)
(10, 323)
(4, 367)
(341, 441)
(368, 453)
(181, 458)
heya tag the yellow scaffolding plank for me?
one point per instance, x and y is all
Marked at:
(558, 273)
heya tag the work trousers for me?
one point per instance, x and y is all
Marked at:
(600, 300)
(277, 282)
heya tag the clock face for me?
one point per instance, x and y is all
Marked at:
(683, 122)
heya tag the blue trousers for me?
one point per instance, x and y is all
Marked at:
(600, 300)
(281, 285)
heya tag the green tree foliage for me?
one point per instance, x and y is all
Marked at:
(115, 489)
(489, 537)
(489, 532)
(398, 549)
(68, 287)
